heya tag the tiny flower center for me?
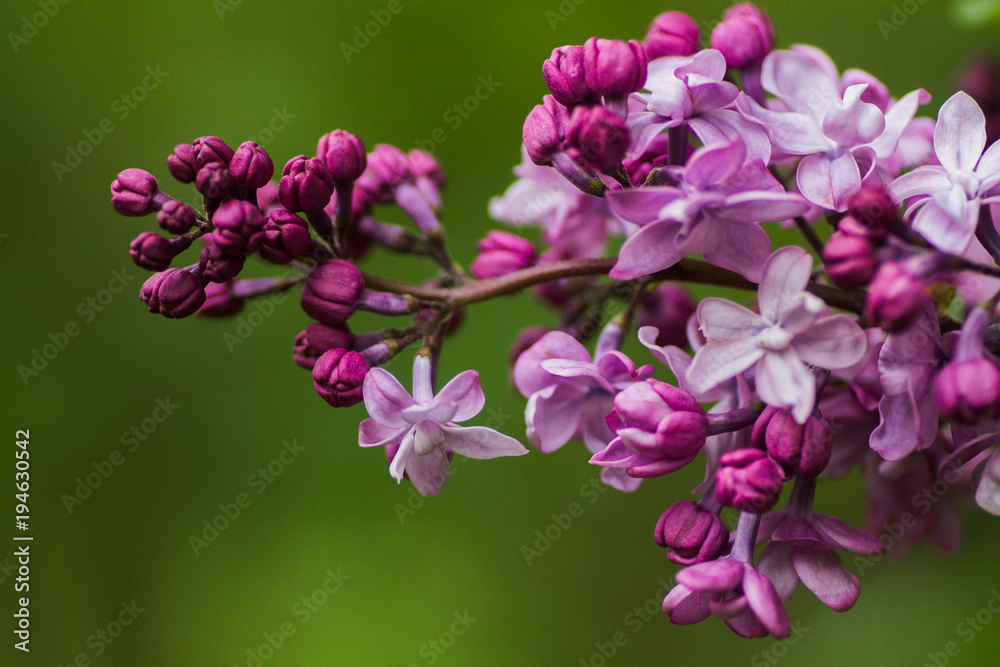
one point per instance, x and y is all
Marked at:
(965, 180)
(774, 338)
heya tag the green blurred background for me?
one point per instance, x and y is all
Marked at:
(403, 578)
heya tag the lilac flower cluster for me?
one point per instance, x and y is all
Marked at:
(872, 348)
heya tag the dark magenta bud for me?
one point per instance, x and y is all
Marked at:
(968, 391)
(182, 163)
(614, 68)
(798, 448)
(319, 338)
(251, 165)
(565, 76)
(133, 192)
(152, 252)
(748, 480)
(339, 377)
(660, 421)
(332, 291)
(873, 208)
(694, 534)
(895, 296)
(501, 253)
(306, 185)
(668, 308)
(344, 155)
(597, 137)
(218, 264)
(220, 301)
(174, 293)
(671, 34)
(239, 227)
(545, 130)
(286, 236)
(214, 181)
(176, 217)
(208, 150)
(849, 260)
(744, 37)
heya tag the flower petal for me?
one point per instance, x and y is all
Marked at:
(529, 376)
(712, 164)
(828, 182)
(429, 472)
(766, 604)
(385, 398)
(480, 442)
(833, 342)
(960, 133)
(642, 205)
(851, 122)
(786, 275)
(720, 361)
(651, 249)
(822, 572)
(465, 393)
(784, 382)
(373, 434)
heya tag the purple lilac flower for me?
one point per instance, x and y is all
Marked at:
(945, 199)
(722, 195)
(838, 133)
(794, 328)
(424, 426)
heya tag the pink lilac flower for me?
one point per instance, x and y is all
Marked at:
(722, 195)
(423, 425)
(839, 134)
(945, 199)
(793, 329)
(569, 395)
(691, 91)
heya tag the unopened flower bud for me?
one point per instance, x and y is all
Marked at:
(388, 167)
(218, 264)
(873, 208)
(849, 260)
(501, 253)
(744, 37)
(152, 252)
(208, 150)
(545, 130)
(968, 391)
(895, 296)
(339, 377)
(239, 227)
(748, 480)
(306, 185)
(344, 155)
(133, 192)
(318, 338)
(614, 68)
(597, 137)
(332, 290)
(286, 236)
(668, 308)
(694, 535)
(176, 217)
(251, 166)
(174, 293)
(660, 421)
(671, 34)
(428, 176)
(220, 301)
(182, 163)
(799, 448)
(565, 76)
(214, 181)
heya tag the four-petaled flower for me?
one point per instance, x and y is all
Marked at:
(423, 425)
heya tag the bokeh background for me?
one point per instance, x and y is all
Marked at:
(404, 572)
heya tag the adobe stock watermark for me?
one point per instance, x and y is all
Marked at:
(275, 126)
(258, 481)
(88, 309)
(967, 629)
(223, 7)
(256, 314)
(545, 537)
(433, 649)
(562, 12)
(414, 501)
(29, 27)
(102, 638)
(302, 611)
(121, 108)
(455, 115)
(131, 440)
(901, 13)
(779, 648)
(362, 37)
